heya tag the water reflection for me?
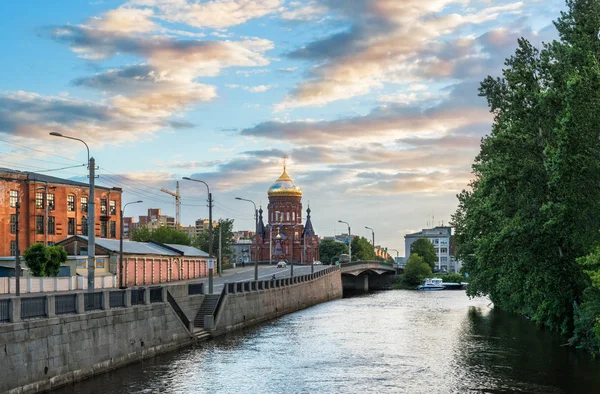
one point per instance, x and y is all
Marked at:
(388, 342)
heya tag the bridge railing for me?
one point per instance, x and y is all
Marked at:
(355, 263)
(252, 286)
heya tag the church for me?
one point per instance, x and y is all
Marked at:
(284, 237)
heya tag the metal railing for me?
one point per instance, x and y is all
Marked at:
(195, 288)
(155, 294)
(33, 307)
(137, 296)
(4, 310)
(248, 286)
(178, 310)
(92, 301)
(116, 299)
(64, 304)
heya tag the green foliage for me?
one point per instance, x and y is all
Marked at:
(165, 235)
(202, 240)
(424, 248)
(534, 207)
(329, 249)
(36, 257)
(57, 255)
(362, 249)
(451, 278)
(44, 260)
(416, 270)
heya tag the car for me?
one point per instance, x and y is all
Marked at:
(317, 262)
(282, 264)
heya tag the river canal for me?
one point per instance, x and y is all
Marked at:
(388, 342)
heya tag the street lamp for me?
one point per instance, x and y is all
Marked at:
(397, 254)
(210, 234)
(121, 284)
(373, 232)
(349, 239)
(255, 236)
(91, 213)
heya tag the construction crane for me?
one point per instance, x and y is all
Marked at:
(177, 203)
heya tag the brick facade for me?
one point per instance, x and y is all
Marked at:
(66, 211)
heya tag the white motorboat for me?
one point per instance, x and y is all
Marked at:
(432, 284)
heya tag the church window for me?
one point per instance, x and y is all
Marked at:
(288, 216)
(293, 216)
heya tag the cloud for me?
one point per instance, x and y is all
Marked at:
(384, 44)
(252, 89)
(216, 14)
(304, 12)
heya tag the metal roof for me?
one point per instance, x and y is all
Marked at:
(129, 247)
(188, 250)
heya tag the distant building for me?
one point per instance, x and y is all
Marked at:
(382, 252)
(52, 209)
(441, 238)
(242, 235)
(155, 219)
(241, 251)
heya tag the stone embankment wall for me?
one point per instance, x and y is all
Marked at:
(243, 309)
(41, 354)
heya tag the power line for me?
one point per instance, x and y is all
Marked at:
(31, 158)
(38, 150)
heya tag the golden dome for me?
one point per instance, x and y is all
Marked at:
(284, 186)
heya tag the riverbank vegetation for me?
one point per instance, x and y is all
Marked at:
(528, 230)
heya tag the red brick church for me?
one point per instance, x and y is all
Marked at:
(284, 237)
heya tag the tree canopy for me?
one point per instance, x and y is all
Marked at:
(202, 240)
(416, 270)
(534, 203)
(166, 235)
(424, 248)
(362, 249)
(330, 248)
(44, 260)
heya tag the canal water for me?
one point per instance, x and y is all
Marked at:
(388, 342)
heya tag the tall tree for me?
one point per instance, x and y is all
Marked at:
(330, 248)
(201, 241)
(166, 235)
(416, 270)
(424, 248)
(362, 249)
(533, 207)
(44, 260)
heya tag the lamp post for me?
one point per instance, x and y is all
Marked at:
(373, 233)
(210, 234)
(121, 284)
(349, 239)
(91, 213)
(18, 251)
(397, 254)
(255, 236)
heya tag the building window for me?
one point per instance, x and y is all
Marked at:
(39, 200)
(51, 225)
(13, 248)
(14, 196)
(444, 259)
(293, 216)
(288, 216)
(113, 207)
(103, 228)
(50, 243)
(84, 204)
(39, 224)
(103, 207)
(444, 250)
(50, 201)
(71, 226)
(84, 226)
(13, 223)
(71, 203)
(113, 229)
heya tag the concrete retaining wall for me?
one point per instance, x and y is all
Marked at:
(41, 354)
(245, 309)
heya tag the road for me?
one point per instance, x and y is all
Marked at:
(264, 272)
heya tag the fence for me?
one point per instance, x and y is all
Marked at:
(64, 304)
(117, 299)
(41, 285)
(33, 307)
(4, 310)
(155, 294)
(93, 301)
(195, 288)
(137, 296)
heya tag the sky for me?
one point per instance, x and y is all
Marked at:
(374, 101)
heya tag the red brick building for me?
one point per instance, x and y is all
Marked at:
(285, 237)
(52, 209)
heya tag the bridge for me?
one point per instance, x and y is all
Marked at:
(367, 275)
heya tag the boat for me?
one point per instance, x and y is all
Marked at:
(431, 284)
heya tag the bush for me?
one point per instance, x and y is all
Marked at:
(44, 260)
(451, 278)
(416, 270)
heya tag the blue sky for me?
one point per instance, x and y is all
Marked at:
(374, 101)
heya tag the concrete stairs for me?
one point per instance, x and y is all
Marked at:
(207, 308)
(201, 335)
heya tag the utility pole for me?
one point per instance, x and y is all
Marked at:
(219, 267)
(210, 244)
(177, 196)
(92, 227)
(270, 244)
(18, 252)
